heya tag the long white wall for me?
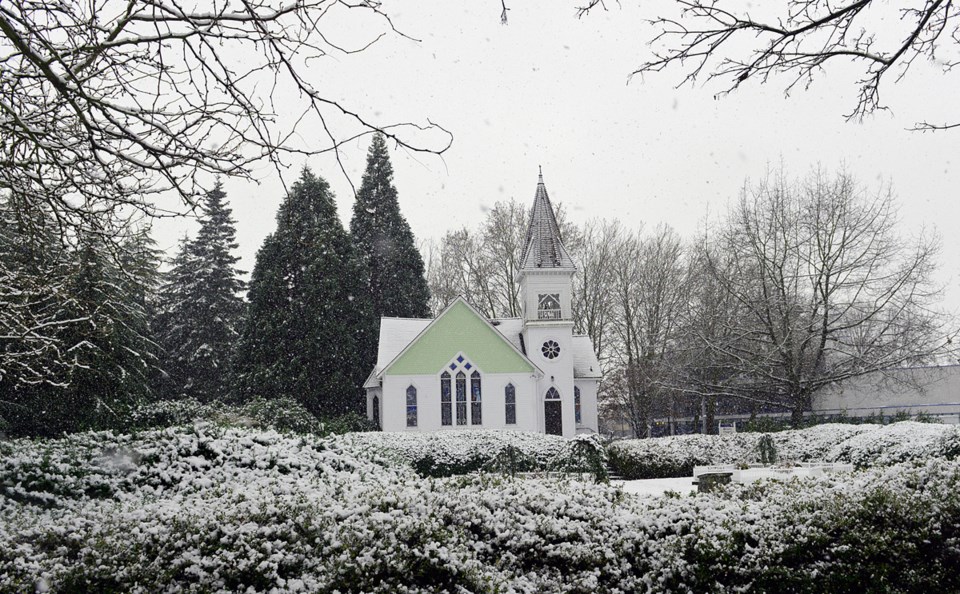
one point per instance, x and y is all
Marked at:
(493, 410)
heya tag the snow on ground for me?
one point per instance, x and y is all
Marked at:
(657, 487)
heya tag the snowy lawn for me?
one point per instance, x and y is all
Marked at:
(657, 487)
(208, 509)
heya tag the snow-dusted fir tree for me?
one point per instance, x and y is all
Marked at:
(308, 313)
(397, 286)
(110, 345)
(33, 273)
(201, 308)
(75, 341)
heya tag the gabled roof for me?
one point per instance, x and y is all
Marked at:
(543, 247)
(398, 335)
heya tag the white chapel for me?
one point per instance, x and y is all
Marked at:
(461, 370)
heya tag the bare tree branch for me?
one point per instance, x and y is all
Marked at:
(732, 47)
(104, 104)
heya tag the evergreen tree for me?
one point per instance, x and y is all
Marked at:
(308, 314)
(34, 271)
(75, 342)
(201, 308)
(397, 285)
(114, 348)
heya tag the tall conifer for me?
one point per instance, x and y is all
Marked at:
(308, 311)
(202, 308)
(397, 286)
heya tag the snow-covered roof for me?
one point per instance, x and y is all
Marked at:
(510, 328)
(543, 248)
(395, 335)
(585, 362)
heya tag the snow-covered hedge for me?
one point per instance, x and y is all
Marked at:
(447, 453)
(208, 509)
(282, 414)
(861, 445)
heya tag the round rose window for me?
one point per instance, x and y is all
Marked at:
(550, 349)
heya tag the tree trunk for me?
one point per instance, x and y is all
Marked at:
(801, 403)
(698, 415)
(711, 415)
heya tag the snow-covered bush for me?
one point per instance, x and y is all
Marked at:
(815, 443)
(447, 453)
(861, 445)
(282, 414)
(899, 442)
(169, 413)
(664, 457)
(213, 509)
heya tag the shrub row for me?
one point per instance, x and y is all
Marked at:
(282, 414)
(435, 455)
(448, 453)
(225, 510)
(860, 445)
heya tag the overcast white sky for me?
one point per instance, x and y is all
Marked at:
(549, 89)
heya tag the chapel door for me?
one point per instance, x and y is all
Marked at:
(553, 417)
(376, 411)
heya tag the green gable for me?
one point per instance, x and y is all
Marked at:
(459, 329)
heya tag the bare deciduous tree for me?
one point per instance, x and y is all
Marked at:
(455, 267)
(105, 103)
(649, 282)
(801, 38)
(504, 232)
(593, 302)
(703, 374)
(826, 289)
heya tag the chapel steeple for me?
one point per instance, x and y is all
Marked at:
(543, 248)
(546, 269)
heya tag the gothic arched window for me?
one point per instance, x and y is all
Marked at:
(459, 402)
(576, 405)
(446, 400)
(510, 404)
(376, 411)
(475, 408)
(411, 406)
(461, 398)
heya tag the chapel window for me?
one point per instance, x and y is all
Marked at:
(411, 406)
(475, 408)
(576, 405)
(550, 349)
(446, 403)
(461, 398)
(510, 404)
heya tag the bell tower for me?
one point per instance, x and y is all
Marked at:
(546, 286)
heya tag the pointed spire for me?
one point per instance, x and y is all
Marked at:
(544, 248)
